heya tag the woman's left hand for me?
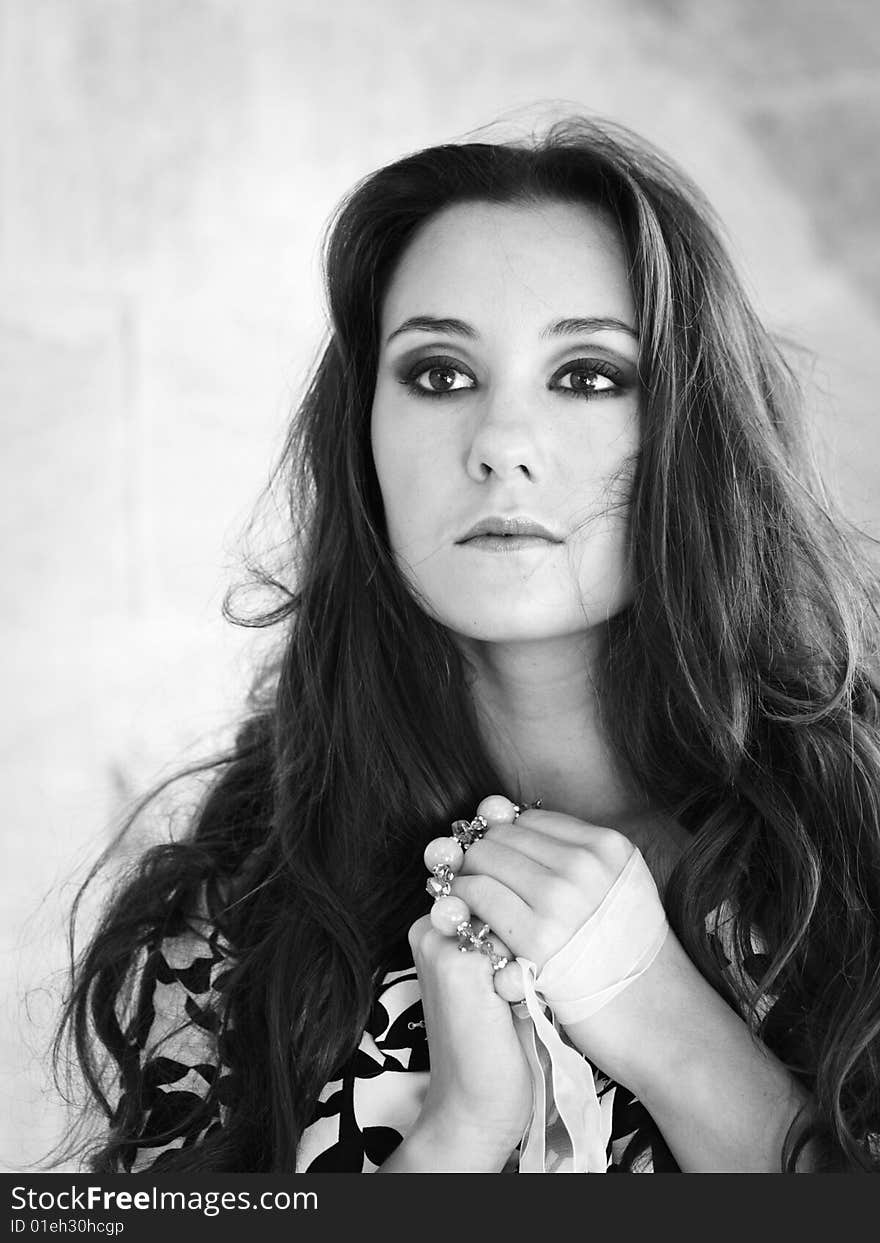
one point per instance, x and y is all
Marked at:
(536, 882)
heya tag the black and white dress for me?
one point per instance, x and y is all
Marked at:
(363, 1113)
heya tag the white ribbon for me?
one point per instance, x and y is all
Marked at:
(570, 1127)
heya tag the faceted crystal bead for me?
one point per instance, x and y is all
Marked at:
(466, 832)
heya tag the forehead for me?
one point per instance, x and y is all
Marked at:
(546, 259)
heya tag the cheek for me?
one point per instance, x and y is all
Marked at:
(401, 470)
(601, 472)
(600, 563)
(417, 456)
(388, 459)
(601, 509)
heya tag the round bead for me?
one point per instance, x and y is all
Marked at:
(497, 810)
(448, 913)
(508, 981)
(443, 850)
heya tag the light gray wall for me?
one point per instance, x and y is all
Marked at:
(166, 167)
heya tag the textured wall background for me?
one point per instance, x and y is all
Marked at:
(166, 167)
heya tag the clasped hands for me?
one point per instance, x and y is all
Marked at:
(538, 883)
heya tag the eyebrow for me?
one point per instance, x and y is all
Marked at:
(428, 323)
(600, 323)
(562, 327)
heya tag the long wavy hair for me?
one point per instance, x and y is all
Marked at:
(737, 688)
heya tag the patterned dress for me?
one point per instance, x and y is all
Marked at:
(361, 1116)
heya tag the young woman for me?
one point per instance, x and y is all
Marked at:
(558, 545)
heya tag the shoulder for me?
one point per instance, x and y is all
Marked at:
(183, 974)
(171, 1097)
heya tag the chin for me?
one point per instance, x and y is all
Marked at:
(535, 609)
(493, 626)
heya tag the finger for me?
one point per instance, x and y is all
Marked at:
(418, 932)
(509, 983)
(561, 827)
(550, 852)
(449, 977)
(493, 903)
(423, 931)
(609, 844)
(496, 858)
(499, 947)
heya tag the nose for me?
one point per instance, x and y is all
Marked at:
(503, 443)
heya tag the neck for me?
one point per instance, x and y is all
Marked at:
(540, 718)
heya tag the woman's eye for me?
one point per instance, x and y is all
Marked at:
(588, 381)
(436, 378)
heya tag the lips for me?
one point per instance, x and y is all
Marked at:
(509, 527)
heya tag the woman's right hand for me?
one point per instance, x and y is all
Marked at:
(479, 1097)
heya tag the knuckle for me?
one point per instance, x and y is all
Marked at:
(453, 968)
(472, 856)
(423, 940)
(616, 847)
(542, 938)
(584, 867)
(592, 862)
(440, 957)
(547, 944)
(470, 888)
(416, 933)
(558, 892)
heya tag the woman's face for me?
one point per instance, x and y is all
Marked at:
(507, 389)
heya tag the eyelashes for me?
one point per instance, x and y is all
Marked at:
(595, 378)
(588, 378)
(441, 369)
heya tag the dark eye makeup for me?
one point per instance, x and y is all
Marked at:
(585, 376)
(443, 376)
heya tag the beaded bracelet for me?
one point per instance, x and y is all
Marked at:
(444, 856)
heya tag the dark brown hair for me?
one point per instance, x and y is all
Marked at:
(737, 689)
